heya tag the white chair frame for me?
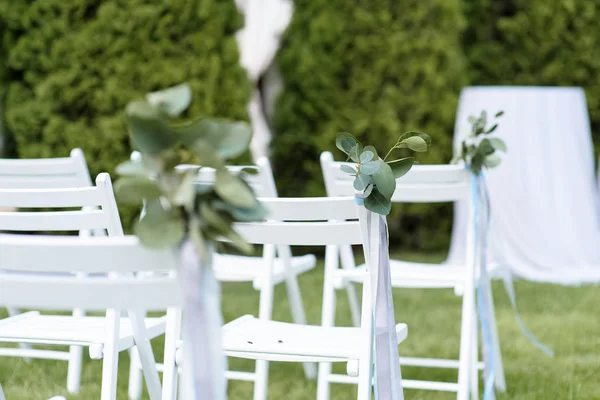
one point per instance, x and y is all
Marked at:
(425, 184)
(231, 268)
(98, 212)
(112, 261)
(50, 173)
(260, 339)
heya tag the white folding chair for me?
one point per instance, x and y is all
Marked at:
(428, 184)
(96, 210)
(235, 268)
(107, 283)
(49, 173)
(312, 222)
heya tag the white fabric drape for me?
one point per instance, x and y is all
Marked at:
(544, 203)
(258, 41)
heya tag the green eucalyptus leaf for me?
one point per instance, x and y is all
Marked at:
(203, 188)
(370, 168)
(256, 213)
(229, 139)
(415, 143)
(409, 134)
(372, 150)
(402, 166)
(361, 181)
(233, 190)
(185, 193)
(238, 242)
(498, 144)
(377, 203)
(355, 152)
(348, 169)
(366, 156)
(492, 160)
(212, 217)
(160, 228)
(486, 147)
(250, 170)
(492, 129)
(499, 114)
(173, 100)
(477, 163)
(131, 168)
(149, 128)
(345, 142)
(207, 155)
(384, 180)
(367, 191)
(134, 189)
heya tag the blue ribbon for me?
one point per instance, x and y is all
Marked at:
(480, 198)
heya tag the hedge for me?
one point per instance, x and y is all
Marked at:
(72, 66)
(373, 68)
(536, 42)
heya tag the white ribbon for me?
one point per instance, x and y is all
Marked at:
(205, 361)
(388, 380)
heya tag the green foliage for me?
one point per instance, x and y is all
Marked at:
(376, 177)
(479, 149)
(375, 68)
(536, 42)
(176, 208)
(72, 67)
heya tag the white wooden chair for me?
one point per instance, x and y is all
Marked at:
(426, 184)
(235, 268)
(96, 211)
(106, 283)
(327, 222)
(50, 173)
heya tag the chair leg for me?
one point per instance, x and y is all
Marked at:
(474, 360)
(347, 257)
(464, 370)
(172, 336)
(74, 369)
(14, 312)
(327, 317)
(145, 355)
(365, 379)
(135, 375)
(110, 354)
(500, 382)
(295, 300)
(2, 397)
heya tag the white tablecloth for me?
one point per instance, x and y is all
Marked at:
(544, 201)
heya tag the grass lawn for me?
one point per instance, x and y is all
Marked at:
(565, 318)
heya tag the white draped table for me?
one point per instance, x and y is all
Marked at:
(544, 201)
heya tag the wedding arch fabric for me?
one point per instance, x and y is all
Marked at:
(544, 201)
(258, 41)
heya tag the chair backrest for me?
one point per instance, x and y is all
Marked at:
(45, 173)
(422, 184)
(262, 182)
(104, 266)
(98, 202)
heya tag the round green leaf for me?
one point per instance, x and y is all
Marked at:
(173, 100)
(130, 168)
(366, 156)
(345, 142)
(370, 168)
(384, 180)
(402, 166)
(416, 143)
(149, 128)
(498, 144)
(355, 152)
(492, 160)
(232, 190)
(229, 139)
(377, 203)
(160, 228)
(348, 169)
(361, 181)
(134, 189)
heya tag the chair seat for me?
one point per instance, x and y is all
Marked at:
(250, 337)
(32, 327)
(234, 268)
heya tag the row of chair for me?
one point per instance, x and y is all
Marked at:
(60, 183)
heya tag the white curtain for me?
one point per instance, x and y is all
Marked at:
(258, 41)
(544, 202)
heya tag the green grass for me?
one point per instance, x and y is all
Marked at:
(565, 318)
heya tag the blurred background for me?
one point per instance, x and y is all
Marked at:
(374, 68)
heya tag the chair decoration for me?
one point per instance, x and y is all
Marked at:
(190, 218)
(375, 183)
(480, 150)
